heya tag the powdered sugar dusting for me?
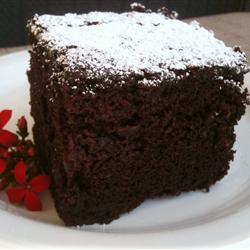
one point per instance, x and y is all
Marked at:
(106, 43)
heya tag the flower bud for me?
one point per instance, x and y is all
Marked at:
(6, 154)
(31, 152)
(20, 149)
(22, 123)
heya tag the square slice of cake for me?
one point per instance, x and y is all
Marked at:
(131, 106)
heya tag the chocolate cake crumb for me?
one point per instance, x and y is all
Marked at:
(168, 13)
(138, 7)
(237, 49)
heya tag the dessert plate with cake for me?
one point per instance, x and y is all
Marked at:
(143, 125)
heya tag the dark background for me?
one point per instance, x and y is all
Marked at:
(14, 13)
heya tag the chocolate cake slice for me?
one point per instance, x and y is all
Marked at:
(131, 106)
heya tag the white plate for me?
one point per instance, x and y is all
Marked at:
(217, 218)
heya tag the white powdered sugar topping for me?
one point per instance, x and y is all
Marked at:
(133, 42)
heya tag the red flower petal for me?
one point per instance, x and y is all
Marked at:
(7, 138)
(15, 195)
(5, 116)
(40, 183)
(20, 173)
(2, 166)
(32, 201)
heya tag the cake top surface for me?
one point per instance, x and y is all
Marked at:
(107, 43)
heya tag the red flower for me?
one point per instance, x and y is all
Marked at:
(2, 166)
(7, 138)
(28, 190)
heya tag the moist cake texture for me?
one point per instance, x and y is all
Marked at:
(131, 106)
